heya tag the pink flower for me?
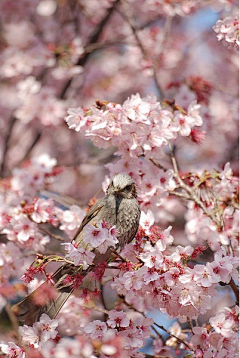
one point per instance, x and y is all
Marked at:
(151, 257)
(222, 325)
(164, 239)
(148, 274)
(182, 253)
(46, 327)
(41, 213)
(96, 329)
(200, 337)
(146, 220)
(203, 276)
(136, 109)
(29, 335)
(40, 332)
(193, 116)
(117, 319)
(94, 235)
(110, 240)
(75, 118)
(79, 255)
(133, 338)
(184, 123)
(23, 227)
(71, 219)
(132, 280)
(171, 276)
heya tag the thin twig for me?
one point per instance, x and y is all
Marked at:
(181, 195)
(173, 335)
(158, 334)
(13, 120)
(235, 290)
(57, 237)
(158, 165)
(191, 193)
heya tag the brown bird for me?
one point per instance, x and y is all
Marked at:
(119, 207)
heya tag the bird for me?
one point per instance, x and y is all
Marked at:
(119, 208)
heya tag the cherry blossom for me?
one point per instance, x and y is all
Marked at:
(118, 319)
(79, 255)
(228, 29)
(96, 329)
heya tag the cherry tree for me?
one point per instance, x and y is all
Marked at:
(94, 88)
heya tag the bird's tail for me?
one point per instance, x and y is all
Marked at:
(29, 310)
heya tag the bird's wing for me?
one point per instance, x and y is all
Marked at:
(95, 209)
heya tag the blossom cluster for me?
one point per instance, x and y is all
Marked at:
(119, 336)
(22, 211)
(228, 30)
(139, 126)
(221, 340)
(166, 281)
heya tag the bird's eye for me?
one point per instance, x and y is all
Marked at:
(128, 187)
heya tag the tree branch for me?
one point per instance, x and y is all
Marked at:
(13, 120)
(94, 38)
(191, 194)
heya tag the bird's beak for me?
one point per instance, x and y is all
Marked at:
(117, 191)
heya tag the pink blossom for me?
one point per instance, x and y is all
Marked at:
(203, 276)
(72, 348)
(200, 337)
(182, 253)
(136, 109)
(96, 329)
(94, 235)
(46, 328)
(151, 257)
(100, 236)
(24, 228)
(164, 239)
(133, 338)
(76, 119)
(228, 30)
(79, 255)
(222, 325)
(29, 335)
(41, 208)
(132, 280)
(72, 218)
(117, 319)
(146, 220)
